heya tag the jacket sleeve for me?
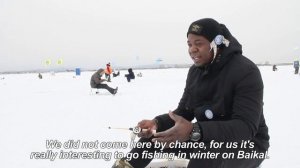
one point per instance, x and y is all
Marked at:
(246, 112)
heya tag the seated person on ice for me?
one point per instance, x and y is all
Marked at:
(97, 82)
(140, 74)
(130, 75)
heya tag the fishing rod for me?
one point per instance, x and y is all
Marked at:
(135, 130)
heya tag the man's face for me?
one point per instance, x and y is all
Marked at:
(199, 50)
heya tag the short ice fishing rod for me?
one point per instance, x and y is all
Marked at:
(135, 130)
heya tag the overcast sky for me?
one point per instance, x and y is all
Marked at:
(90, 33)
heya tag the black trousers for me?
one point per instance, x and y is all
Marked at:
(104, 86)
(199, 163)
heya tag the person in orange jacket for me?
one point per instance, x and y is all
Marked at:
(108, 71)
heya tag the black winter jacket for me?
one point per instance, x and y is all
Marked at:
(232, 89)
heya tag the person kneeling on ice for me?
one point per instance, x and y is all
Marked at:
(224, 94)
(130, 75)
(97, 82)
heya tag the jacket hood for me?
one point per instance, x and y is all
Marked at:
(234, 46)
(226, 53)
(100, 70)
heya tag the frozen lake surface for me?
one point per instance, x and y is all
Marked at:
(62, 108)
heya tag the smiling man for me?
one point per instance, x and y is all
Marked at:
(224, 93)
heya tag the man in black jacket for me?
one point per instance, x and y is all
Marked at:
(224, 93)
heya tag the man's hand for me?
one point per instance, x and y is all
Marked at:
(180, 131)
(148, 128)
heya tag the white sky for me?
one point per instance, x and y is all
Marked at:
(90, 33)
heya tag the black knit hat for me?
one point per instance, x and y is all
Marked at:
(207, 27)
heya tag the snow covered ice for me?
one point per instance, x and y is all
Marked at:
(62, 108)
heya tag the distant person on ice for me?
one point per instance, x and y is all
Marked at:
(130, 75)
(296, 66)
(108, 71)
(40, 76)
(97, 82)
(274, 68)
(224, 93)
(140, 74)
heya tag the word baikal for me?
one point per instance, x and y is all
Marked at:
(252, 155)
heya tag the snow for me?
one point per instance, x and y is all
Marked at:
(62, 107)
